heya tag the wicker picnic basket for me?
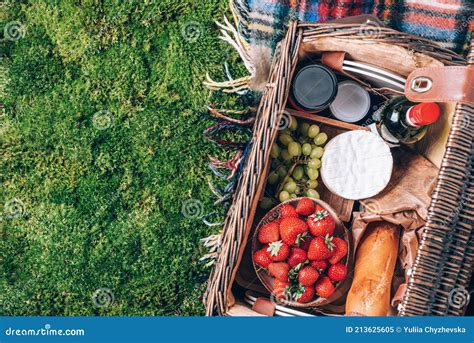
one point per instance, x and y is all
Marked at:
(445, 255)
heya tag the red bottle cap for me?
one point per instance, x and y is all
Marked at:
(423, 114)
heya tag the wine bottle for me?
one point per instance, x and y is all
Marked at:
(401, 121)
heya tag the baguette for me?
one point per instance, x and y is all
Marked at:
(374, 266)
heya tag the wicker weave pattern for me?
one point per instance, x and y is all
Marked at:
(446, 253)
(445, 258)
(239, 220)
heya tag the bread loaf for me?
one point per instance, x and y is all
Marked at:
(374, 266)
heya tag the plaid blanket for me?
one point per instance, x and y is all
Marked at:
(450, 22)
(262, 23)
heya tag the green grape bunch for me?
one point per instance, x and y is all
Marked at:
(295, 163)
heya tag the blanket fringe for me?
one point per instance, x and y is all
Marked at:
(212, 243)
(205, 219)
(211, 134)
(232, 165)
(237, 36)
(220, 114)
(231, 35)
(229, 86)
(222, 195)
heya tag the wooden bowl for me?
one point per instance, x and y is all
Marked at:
(341, 287)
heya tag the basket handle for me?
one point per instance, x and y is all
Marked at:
(441, 84)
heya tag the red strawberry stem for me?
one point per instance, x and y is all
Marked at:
(329, 243)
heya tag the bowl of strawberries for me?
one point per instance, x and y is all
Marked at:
(302, 253)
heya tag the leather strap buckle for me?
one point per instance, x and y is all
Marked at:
(441, 84)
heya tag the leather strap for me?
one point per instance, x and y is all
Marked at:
(441, 84)
(264, 306)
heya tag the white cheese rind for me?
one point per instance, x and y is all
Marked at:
(356, 165)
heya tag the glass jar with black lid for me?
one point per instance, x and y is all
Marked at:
(313, 88)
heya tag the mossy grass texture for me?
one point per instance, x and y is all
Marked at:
(101, 144)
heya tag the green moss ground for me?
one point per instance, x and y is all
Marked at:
(102, 208)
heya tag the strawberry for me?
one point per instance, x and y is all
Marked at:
(279, 270)
(262, 258)
(269, 233)
(304, 244)
(303, 294)
(293, 230)
(287, 211)
(337, 272)
(305, 207)
(321, 223)
(340, 250)
(297, 256)
(281, 289)
(321, 248)
(308, 276)
(324, 287)
(320, 266)
(278, 251)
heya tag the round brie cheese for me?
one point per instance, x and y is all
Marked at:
(356, 165)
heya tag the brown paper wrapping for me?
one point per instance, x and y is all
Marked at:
(404, 202)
